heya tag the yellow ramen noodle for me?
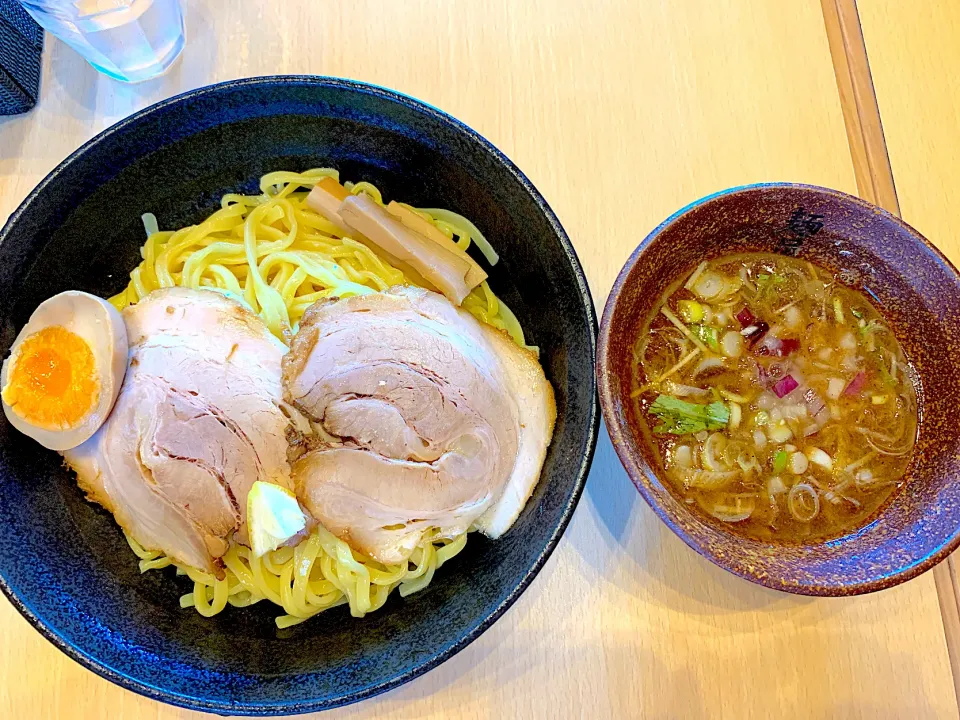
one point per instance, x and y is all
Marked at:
(279, 256)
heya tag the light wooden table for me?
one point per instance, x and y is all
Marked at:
(620, 111)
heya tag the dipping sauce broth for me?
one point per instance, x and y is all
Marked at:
(780, 399)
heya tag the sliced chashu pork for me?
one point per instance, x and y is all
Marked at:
(197, 422)
(424, 417)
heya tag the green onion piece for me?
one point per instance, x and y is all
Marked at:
(690, 310)
(709, 336)
(838, 310)
(780, 462)
(742, 399)
(857, 313)
(767, 280)
(885, 373)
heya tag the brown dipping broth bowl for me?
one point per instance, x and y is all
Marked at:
(917, 291)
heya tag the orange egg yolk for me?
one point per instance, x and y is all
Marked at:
(53, 380)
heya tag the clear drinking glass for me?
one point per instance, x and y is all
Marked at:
(130, 40)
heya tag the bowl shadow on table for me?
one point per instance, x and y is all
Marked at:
(654, 562)
(498, 668)
(499, 658)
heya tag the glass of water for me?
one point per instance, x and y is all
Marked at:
(130, 40)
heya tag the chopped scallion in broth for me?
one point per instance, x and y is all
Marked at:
(781, 402)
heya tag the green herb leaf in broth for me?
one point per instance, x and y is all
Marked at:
(679, 417)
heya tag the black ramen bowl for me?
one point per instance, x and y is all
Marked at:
(64, 562)
(916, 289)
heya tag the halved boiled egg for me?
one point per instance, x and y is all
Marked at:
(65, 370)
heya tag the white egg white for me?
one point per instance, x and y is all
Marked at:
(101, 326)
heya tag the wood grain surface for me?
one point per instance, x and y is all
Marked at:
(620, 112)
(915, 60)
(914, 51)
(858, 98)
(871, 159)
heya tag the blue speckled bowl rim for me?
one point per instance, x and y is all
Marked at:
(641, 474)
(423, 108)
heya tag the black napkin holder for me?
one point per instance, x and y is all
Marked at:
(21, 45)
